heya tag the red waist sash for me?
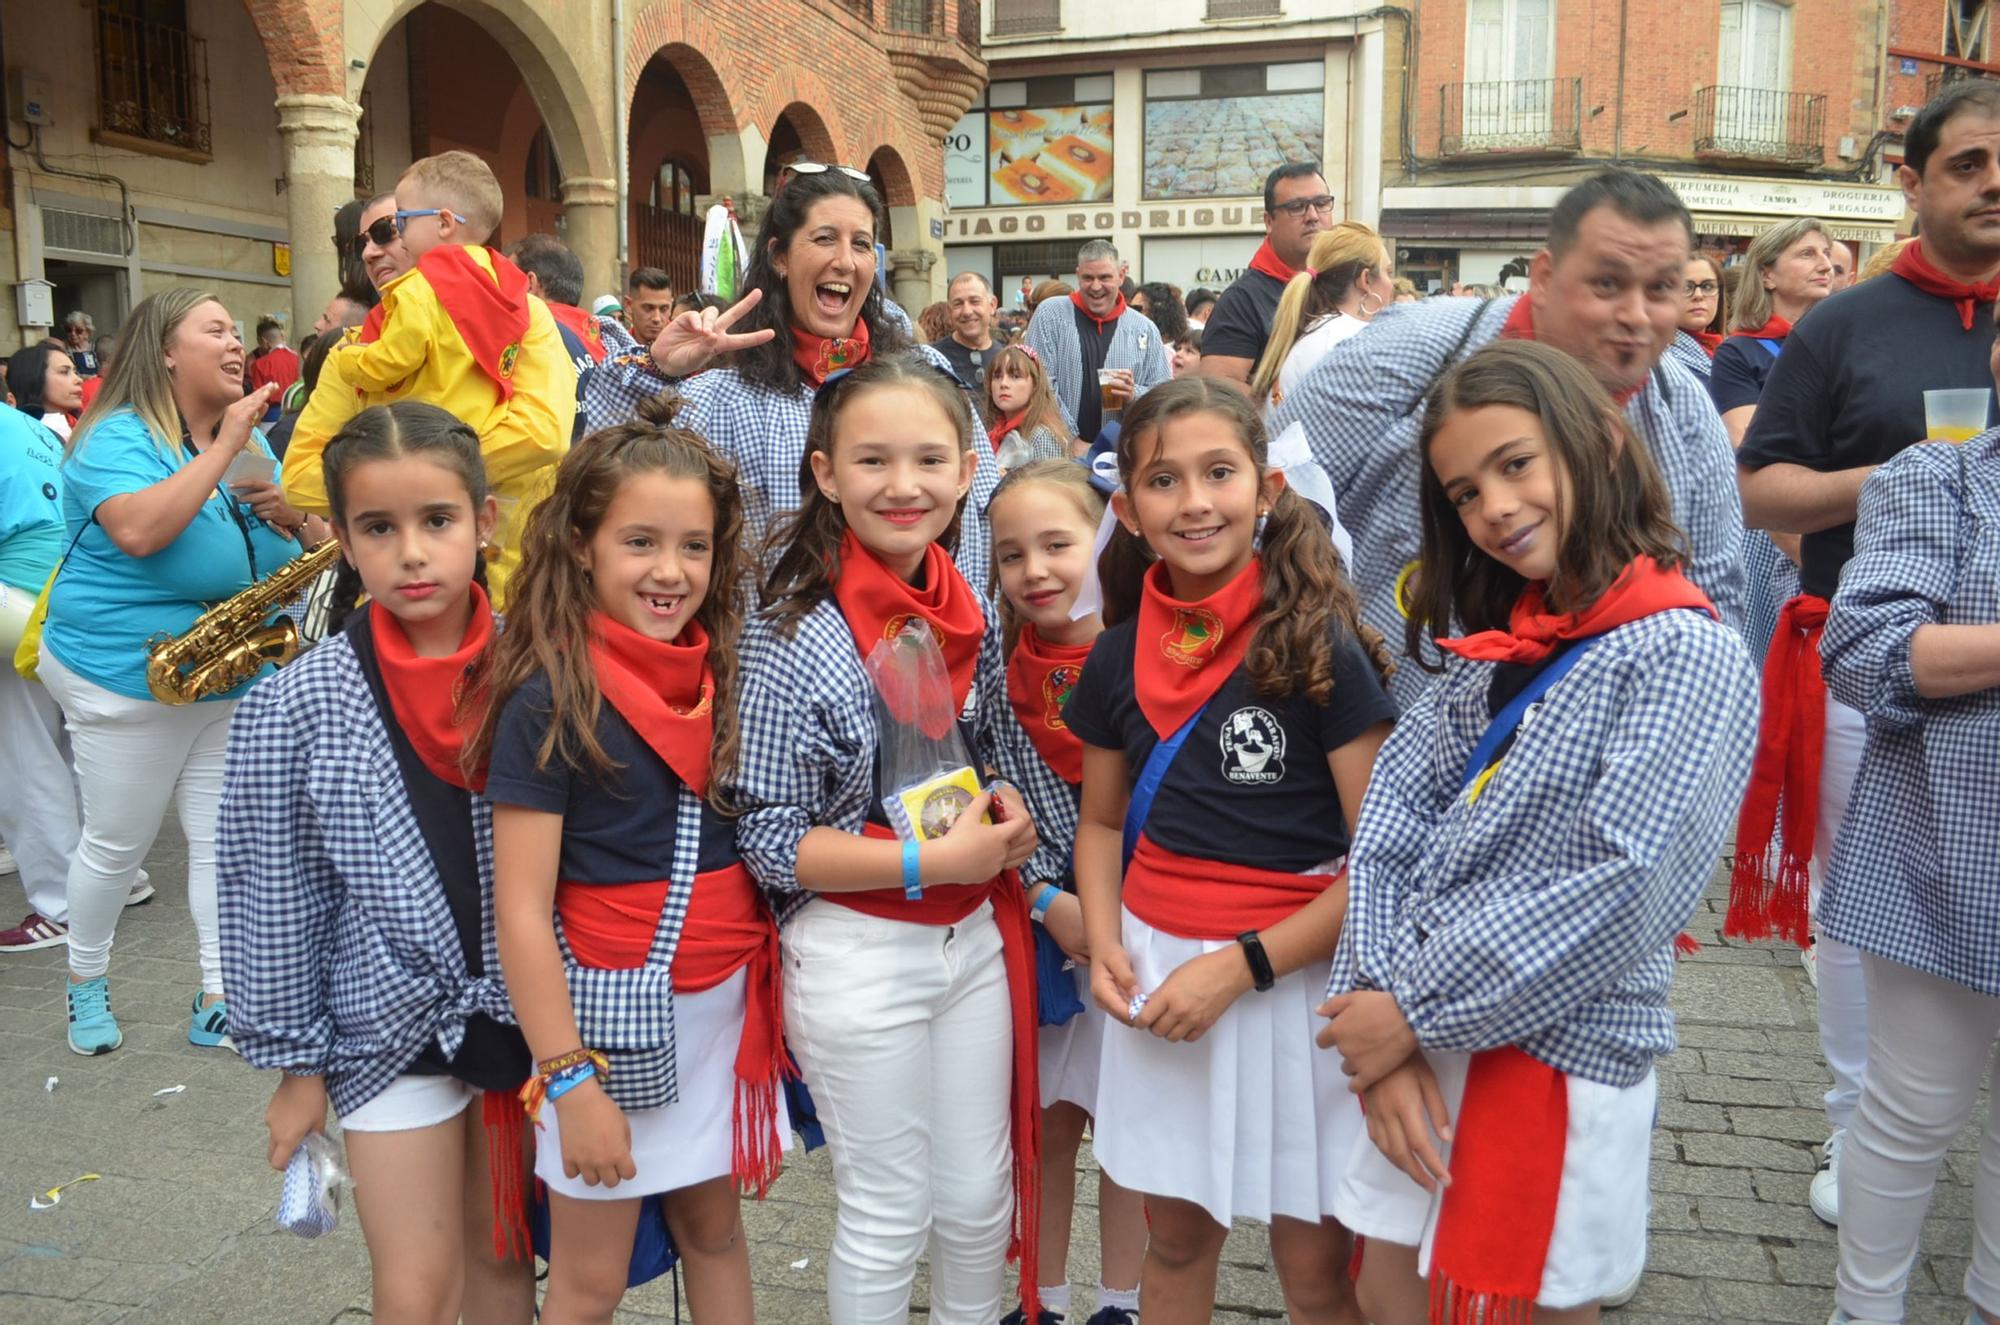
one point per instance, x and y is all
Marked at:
(1211, 899)
(1784, 780)
(726, 930)
(948, 904)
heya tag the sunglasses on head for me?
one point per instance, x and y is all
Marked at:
(820, 168)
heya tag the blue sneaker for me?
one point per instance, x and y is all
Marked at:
(210, 1027)
(92, 1028)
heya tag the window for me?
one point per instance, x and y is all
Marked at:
(1968, 29)
(1012, 18)
(1509, 60)
(1217, 132)
(673, 188)
(544, 173)
(1756, 51)
(1039, 141)
(152, 75)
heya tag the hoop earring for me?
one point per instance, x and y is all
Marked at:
(1368, 312)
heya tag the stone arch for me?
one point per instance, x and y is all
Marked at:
(887, 163)
(801, 97)
(682, 35)
(303, 52)
(704, 84)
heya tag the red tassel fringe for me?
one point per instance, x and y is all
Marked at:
(1452, 1305)
(1686, 944)
(759, 1153)
(502, 1116)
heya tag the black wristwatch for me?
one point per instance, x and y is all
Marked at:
(1261, 974)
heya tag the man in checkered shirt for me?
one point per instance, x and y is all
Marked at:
(1607, 290)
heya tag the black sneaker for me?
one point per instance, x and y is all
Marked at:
(1019, 1317)
(1113, 1316)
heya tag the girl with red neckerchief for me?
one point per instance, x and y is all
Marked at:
(355, 857)
(641, 959)
(1020, 403)
(1228, 715)
(1537, 831)
(1044, 519)
(909, 967)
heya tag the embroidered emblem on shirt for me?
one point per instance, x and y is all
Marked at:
(507, 358)
(834, 355)
(1055, 693)
(1193, 638)
(1253, 747)
(895, 624)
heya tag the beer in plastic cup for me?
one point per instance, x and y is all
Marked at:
(1110, 391)
(1956, 416)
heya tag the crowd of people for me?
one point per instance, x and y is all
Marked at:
(738, 727)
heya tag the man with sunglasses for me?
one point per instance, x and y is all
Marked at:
(1297, 206)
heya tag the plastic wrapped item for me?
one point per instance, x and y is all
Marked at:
(927, 773)
(310, 1203)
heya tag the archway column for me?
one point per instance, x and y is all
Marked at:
(590, 228)
(916, 267)
(318, 132)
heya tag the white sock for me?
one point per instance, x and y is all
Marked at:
(1126, 1299)
(1055, 1297)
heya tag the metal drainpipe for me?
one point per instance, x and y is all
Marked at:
(1618, 114)
(618, 136)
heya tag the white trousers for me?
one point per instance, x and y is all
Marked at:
(1843, 992)
(37, 793)
(133, 757)
(1931, 1044)
(905, 1035)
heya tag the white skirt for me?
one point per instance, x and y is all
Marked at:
(693, 1139)
(1250, 1121)
(1068, 1054)
(1599, 1242)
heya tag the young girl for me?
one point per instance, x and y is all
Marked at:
(1021, 404)
(1241, 641)
(354, 861)
(1044, 520)
(640, 957)
(1518, 880)
(908, 967)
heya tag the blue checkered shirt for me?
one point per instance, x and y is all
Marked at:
(338, 948)
(1135, 344)
(1915, 875)
(1543, 913)
(809, 741)
(1686, 351)
(1363, 408)
(1052, 802)
(764, 433)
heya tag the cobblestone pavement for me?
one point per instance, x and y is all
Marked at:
(178, 1228)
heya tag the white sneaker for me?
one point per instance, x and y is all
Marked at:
(7, 865)
(1613, 1301)
(142, 890)
(1824, 1196)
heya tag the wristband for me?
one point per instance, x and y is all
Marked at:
(1043, 900)
(569, 1079)
(913, 875)
(1261, 975)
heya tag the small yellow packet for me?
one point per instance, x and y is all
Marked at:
(928, 809)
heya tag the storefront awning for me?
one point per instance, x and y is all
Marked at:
(1711, 223)
(1417, 225)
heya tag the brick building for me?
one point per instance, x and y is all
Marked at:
(1154, 126)
(1754, 110)
(209, 142)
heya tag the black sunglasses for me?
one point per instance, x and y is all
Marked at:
(383, 233)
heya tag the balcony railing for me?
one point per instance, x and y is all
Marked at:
(1950, 74)
(925, 16)
(152, 82)
(968, 23)
(1015, 18)
(1760, 124)
(1243, 8)
(1537, 116)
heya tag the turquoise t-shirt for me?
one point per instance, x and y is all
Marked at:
(31, 520)
(107, 605)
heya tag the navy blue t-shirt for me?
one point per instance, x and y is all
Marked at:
(1742, 365)
(616, 829)
(1251, 785)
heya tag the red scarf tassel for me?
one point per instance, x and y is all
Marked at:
(500, 1110)
(758, 1153)
(1790, 740)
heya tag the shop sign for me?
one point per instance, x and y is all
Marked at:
(1770, 197)
(1088, 221)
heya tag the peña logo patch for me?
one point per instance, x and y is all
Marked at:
(1253, 747)
(1193, 638)
(1062, 679)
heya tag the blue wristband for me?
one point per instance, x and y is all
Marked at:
(569, 1079)
(1045, 899)
(913, 879)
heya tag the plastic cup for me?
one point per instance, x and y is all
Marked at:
(1110, 395)
(1958, 415)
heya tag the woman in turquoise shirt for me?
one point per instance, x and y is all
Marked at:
(160, 536)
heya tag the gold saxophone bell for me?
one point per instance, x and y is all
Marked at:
(234, 640)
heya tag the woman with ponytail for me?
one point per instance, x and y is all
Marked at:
(1344, 285)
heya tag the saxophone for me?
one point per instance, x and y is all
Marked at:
(232, 641)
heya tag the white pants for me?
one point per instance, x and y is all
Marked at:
(37, 793)
(905, 1035)
(1843, 992)
(1930, 1046)
(133, 756)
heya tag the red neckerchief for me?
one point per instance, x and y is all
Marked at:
(998, 432)
(371, 326)
(878, 604)
(1117, 310)
(1520, 325)
(1764, 900)
(1774, 328)
(424, 693)
(1498, 1215)
(1266, 260)
(819, 357)
(1532, 633)
(1185, 651)
(1040, 676)
(664, 688)
(490, 313)
(1710, 341)
(582, 325)
(1914, 266)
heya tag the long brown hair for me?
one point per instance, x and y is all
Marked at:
(551, 599)
(806, 543)
(1073, 481)
(1617, 507)
(1304, 591)
(1042, 411)
(137, 374)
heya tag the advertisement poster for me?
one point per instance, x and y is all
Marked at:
(1045, 155)
(965, 161)
(1224, 149)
